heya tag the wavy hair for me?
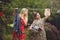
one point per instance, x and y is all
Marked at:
(22, 12)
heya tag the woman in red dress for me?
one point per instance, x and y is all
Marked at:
(24, 19)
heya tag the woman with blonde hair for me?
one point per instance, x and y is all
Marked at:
(22, 20)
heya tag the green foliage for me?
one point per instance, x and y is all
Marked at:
(38, 5)
(32, 5)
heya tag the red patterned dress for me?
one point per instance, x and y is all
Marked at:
(22, 35)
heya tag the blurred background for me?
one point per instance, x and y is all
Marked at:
(52, 25)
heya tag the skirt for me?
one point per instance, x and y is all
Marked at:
(16, 36)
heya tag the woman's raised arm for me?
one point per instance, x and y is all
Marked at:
(14, 12)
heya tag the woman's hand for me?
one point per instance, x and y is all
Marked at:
(30, 28)
(47, 13)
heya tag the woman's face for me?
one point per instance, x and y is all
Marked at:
(25, 12)
(37, 16)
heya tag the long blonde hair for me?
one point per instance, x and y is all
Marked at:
(26, 16)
